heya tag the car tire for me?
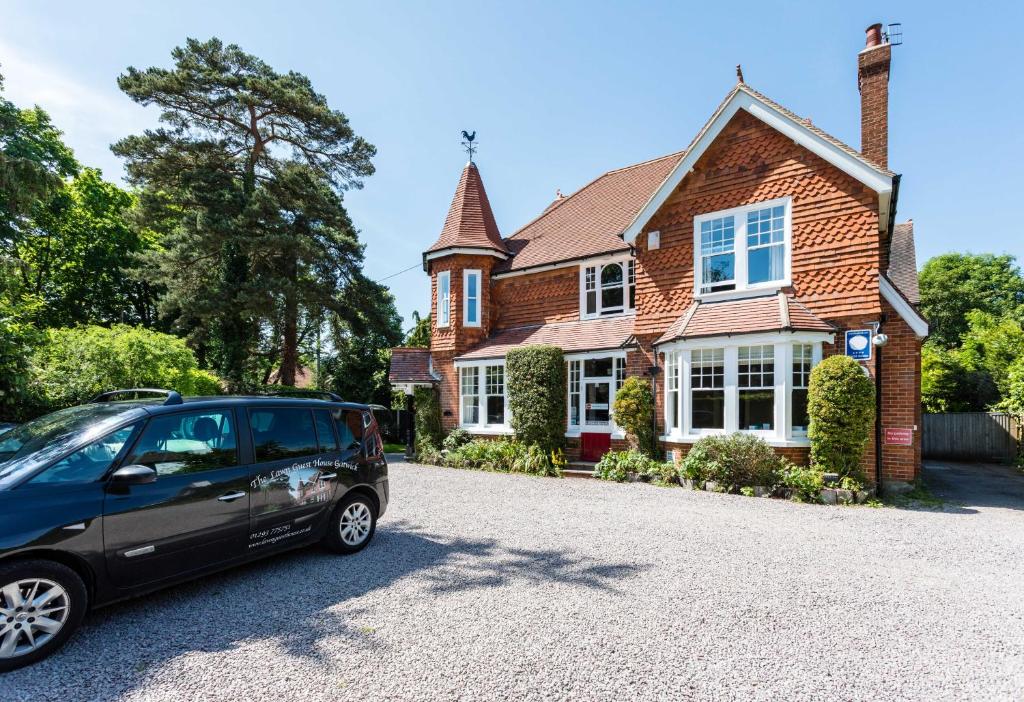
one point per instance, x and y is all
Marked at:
(19, 629)
(352, 524)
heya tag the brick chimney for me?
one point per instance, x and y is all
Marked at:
(873, 82)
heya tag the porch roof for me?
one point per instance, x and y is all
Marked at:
(778, 312)
(410, 366)
(571, 337)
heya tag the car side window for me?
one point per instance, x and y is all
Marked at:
(88, 463)
(325, 431)
(350, 428)
(282, 432)
(192, 442)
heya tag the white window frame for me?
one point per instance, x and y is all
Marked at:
(628, 264)
(444, 301)
(480, 368)
(466, 299)
(740, 249)
(782, 433)
(815, 358)
(616, 379)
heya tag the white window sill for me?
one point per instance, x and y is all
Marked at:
(759, 291)
(575, 433)
(590, 317)
(795, 442)
(493, 431)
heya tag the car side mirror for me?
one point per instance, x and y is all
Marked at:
(133, 475)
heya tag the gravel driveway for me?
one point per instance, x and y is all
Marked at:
(482, 586)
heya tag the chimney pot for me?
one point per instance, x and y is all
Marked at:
(874, 36)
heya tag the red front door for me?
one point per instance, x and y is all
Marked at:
(593, 445)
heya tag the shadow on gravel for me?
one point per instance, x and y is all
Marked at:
(289, 599)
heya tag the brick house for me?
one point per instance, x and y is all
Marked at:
(723, 272)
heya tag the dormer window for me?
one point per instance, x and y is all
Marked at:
(742, 249)
(608, 289)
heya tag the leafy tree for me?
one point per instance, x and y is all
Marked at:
(358, 369)
(34, 162)
(535, 379)
(429, 429)
(841, 405)
(991, 345)
(949, 385)
(954, 284)
(232, 123)
(78, 252)
(18, 336)
(419, 335)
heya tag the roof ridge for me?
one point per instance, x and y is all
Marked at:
(559, 203)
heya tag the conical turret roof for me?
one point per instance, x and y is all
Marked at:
(470, 222)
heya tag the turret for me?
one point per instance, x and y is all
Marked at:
(460, 264)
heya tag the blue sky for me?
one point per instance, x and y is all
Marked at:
(561, 92)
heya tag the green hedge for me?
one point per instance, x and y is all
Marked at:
(72, 365)
(633, 410)
(429, 432)
(841, 405)
(535, 378)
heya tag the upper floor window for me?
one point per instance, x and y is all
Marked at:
(444, 298)
(471, 298)
(743, 249)
(608, 289)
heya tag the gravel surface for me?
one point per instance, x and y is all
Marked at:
(481, 586)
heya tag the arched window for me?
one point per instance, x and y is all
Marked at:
(608, 289)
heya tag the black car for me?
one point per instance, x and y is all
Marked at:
(112, 499)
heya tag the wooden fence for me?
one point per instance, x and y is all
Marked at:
(972, 436)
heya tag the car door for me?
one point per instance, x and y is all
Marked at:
(194, 515)
(297, 462)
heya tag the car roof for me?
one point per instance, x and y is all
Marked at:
(156, 405)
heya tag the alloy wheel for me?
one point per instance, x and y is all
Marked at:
(32, 612)
(355, 524)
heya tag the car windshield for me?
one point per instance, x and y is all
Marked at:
(30, 445)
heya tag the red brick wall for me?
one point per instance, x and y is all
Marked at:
(836, 245)
(873, 79)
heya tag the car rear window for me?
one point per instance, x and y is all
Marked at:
(350, 428)
(282, 432)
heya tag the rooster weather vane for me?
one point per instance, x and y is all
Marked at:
(468, 143)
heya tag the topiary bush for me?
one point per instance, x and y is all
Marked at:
(72, 365)
(427, 419)
(841, 405)
(535, 378)
(633, 410)
(733, 461)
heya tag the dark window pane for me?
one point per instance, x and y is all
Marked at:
(597, 368)
(757, 409)
(591, 302)
(283, 433)
(717, 269)
(325, 431)
(801, 420)
(495, 409)
(350, 428)
(611, 274)
(708, 410)
(89, 463)
(598, 409)
(611, 298)
(187, 443)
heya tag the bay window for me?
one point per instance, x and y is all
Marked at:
(608, 289)
(444, 298)
(471, 298)
(482, 399)
(745, 248)
(756, 384)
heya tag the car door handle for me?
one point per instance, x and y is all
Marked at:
(329, 476)
(231, 496)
